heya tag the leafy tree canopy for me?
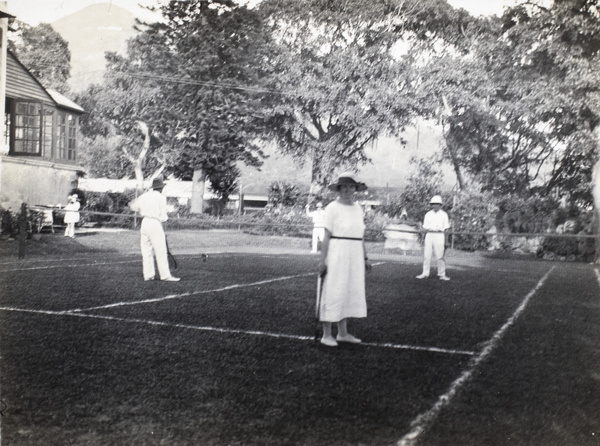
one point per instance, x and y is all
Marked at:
(173, 78)
(44, 52)
(520, 109)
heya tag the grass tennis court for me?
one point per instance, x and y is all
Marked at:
(507, 352)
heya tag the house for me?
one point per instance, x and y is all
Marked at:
(38, 159)
(176, 191)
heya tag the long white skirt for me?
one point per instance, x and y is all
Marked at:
(344, 285)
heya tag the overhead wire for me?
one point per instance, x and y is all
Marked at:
(205, 83)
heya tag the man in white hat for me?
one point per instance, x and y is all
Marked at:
(436, 223)
(152, 205)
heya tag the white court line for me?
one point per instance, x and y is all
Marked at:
(195, 293)
(75, 265)
(190, 293)
(79, 312)
(424, 420)
(227, 330)
(419, 348)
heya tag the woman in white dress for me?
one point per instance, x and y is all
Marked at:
(343, 262)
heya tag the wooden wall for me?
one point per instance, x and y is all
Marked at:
(21, 84)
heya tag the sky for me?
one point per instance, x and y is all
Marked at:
(34, 12)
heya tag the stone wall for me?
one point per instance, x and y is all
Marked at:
(34, 181)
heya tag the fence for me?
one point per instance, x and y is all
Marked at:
(551, 245)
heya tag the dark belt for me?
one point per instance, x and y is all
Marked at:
(346, 238)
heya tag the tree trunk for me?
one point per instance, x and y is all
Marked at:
(138, 161)
(596, 220)
(197, 200)
(456, 165)
(449, 145)
(317, 180)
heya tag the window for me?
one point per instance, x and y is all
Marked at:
(61, 137)
(27, 128)
(47, 133)
(72, 139)
(40, 129)
(66, 142)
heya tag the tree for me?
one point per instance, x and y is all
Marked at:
(531, 125)
(423, 184)
(44, 52)
(119, 112)
(340, 86)
(178, 75)
(283, 193)
(103, 157)
(522, 107)
(212, 50)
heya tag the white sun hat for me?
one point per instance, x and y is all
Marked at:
(436, 199)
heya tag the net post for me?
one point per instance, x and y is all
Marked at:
(22, 230)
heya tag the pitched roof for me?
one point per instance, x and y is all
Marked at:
(64, 101)
(4, 13)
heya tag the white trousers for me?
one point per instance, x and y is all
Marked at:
(317, 235)
(153, 244)
(434, 246)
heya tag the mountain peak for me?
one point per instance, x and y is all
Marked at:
(91, 32)
(99, 12)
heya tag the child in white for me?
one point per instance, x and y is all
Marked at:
(436, 222)
(72, 215)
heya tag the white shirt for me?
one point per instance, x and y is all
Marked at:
(318, 217)
(152, 204)
(436, 221)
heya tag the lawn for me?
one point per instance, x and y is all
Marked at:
(504, 353)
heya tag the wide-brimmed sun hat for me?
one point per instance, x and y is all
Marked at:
(436, 199)
(79, 194)
(157, 183)
(347, 178)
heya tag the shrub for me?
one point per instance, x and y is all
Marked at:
(472, 212)
(376, 222)
(560, 246)
(290, 221)
(284, 193)
(110, 202)
(9, 223)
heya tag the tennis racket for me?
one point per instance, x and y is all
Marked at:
(172, 261)
(318, 307)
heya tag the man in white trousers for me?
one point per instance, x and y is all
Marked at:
(436, 223)
(318, 234)
(152, 205)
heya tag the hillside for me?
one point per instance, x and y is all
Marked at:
(91, 32)
(389, 166)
